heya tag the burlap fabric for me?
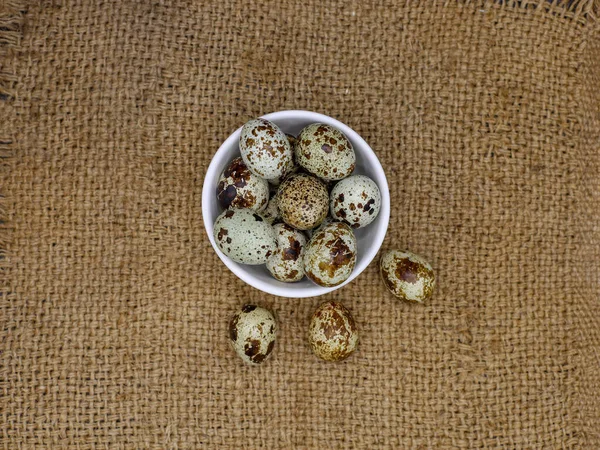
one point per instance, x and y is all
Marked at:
(114, 308)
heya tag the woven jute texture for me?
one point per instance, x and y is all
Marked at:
(114, 308)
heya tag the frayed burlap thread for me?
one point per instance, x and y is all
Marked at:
(114, 308)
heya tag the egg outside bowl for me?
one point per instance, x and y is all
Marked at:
(369, 239)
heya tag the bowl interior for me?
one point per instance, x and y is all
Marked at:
(369, 239)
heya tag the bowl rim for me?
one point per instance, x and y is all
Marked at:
(292, 290)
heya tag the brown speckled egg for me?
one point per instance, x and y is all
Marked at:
(406, 275)
(271, 212)
(286, 264)
(325, 151)
(240, 188)
(355, 200)
(253, 331)
(330, 255)
(265, 149)
(244, 236)
(332, 333)
(303, 201)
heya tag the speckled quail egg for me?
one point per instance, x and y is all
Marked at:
(240, 188)
(332, 333)
(271, 212)
(252, 331)
(244, 236)
(286, 263)
(355, 200)
(325, 151)
(406, 275)
(265, 149)
(303, 201)
(330, 255)
(291, 168)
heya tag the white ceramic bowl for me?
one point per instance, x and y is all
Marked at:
(369, 239)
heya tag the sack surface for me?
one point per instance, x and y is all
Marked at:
(114, 308)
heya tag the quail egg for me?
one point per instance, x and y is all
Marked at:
(252, 331)
(265, 149)
(286, 264)
(330, 255)
(332, 333)
(355, 200)
(406, 275)
(244, 236)
(325, 151)
(240, 188)
(271, 212)
(303, 201)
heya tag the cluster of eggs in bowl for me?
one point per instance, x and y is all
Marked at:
(296, 193)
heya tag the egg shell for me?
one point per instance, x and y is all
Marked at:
(265, 149)
(291, 168)
(408, 276)
(252, 332)
(240, 188)
(355, 200)
(271, 212)
(286, 263)
(325, 151)
(303, 201)
(244, 236)
(332, 333)
(330, 255)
